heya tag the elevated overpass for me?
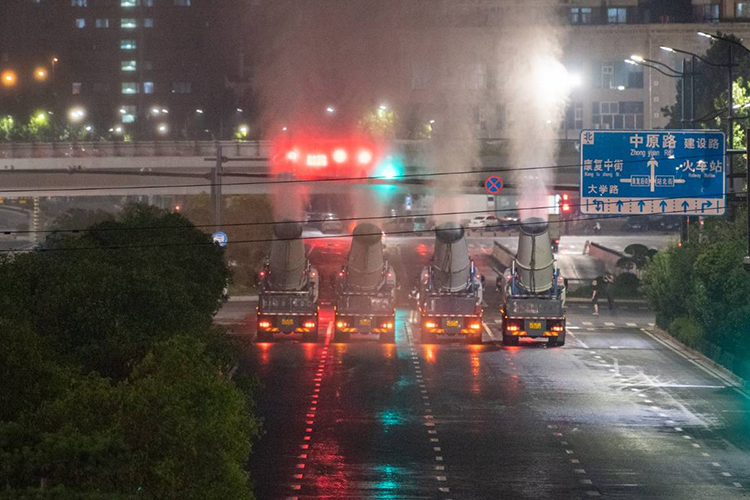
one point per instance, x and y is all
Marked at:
(190, 167)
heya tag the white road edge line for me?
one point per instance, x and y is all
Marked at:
(711, 372)
(489, 332)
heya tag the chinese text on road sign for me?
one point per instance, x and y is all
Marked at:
(665, 172)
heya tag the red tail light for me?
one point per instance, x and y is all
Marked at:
(388, 325)
(309, 324)
(430, 324)
(512, 328)
(475, 326)
(558, 328)
(264, 324)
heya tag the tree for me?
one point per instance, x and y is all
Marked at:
(105, 295)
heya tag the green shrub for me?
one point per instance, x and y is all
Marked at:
(687, 331)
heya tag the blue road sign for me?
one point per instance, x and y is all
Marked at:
(220, 238)
(667, 172)
(493, 184)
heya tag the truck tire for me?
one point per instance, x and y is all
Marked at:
(474, 339)
(427, 337)
(340, 337)
(510, 340)
(264, 337)
(310, 337)
(388, 338)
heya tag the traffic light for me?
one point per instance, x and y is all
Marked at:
(565, 204)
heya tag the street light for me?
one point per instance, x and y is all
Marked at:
(40, 74)
(76, 114)
(163, 129)
(199, 111)
(330, 110)
(9, 78)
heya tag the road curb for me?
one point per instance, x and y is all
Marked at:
(700, 358)
(584, 300)
(242, 298)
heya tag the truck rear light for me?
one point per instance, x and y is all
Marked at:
(512, 328)
(475, 326)
(264, 324)
(341, 324)
(388, 325)
(557, 328)
(309, 324)
(430, 324)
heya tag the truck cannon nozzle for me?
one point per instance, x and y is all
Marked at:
(451, 259)
(366, 259)
(287, 259)
(534, 259)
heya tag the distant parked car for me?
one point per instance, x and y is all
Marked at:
(636, 223)
(666, 223)
(331, 224)
(485, 222)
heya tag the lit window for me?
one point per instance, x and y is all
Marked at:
(182, 3)
(129, 65)
(617, 15)
(127, 44)
(181, 87)
(128, 3)
(80, 23)
(148, 23)
(127, 114)
(742, 9)
(148, 87)
(128, 24)
(129, 88)
(79, 3)
(76, 88)
(102, 23)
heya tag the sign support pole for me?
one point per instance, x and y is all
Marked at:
(746, 261)
(216, 192)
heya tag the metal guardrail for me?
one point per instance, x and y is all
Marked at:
(246, 149)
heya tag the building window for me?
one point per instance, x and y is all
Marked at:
(618, 115)
(79, 3)
(148, 3)
(147, 65)
(608, 71)
(618, 15)
(80, 23)
(148, 87)
(128, 23)
(148, 23)
(102, 23)
(129, 65)
(128, 3)
(127, 114)
(742, 9)
(580, 15)
(707, 13)
(127, 44)
(129, 88)
(574, 116)
(181, 87)
(76, 88)
(182, 3)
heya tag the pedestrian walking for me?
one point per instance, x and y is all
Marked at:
(595, 297)
(610, 280)
(414, 305)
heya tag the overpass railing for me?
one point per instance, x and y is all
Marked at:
(230, 149)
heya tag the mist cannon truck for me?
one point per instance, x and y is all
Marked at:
(365, 289)
(532, 289)
(450, 296)
(289, 284)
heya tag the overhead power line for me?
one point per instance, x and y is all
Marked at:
(403, 177)
(314, 221)
(312, 238)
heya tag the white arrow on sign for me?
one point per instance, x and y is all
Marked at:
(653, 164)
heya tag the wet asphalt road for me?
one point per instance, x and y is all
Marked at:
(615, 413)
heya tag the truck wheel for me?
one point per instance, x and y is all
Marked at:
(474, 339)
(510, 340)
(552, 342)
(427, 337)
(388, 338)
(264, 337)
(310, 337)
(340, 337)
